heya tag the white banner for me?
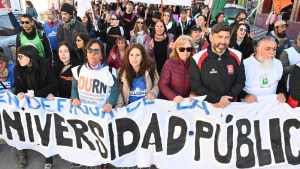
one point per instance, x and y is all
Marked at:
(186, 135)
(165, 2)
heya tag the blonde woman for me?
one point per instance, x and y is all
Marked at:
(139, 32)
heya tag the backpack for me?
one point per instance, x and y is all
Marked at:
(120, 27)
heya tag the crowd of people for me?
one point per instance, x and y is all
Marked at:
(129, 51)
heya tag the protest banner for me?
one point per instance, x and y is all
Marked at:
(185, 135)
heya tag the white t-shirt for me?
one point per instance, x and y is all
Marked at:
(259, 80)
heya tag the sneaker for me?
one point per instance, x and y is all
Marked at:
(48, 166)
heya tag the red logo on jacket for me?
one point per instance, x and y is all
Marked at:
(230, 69)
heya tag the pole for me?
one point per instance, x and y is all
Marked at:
(161, 8)
(96, 26)
(254, 10)
(210, 12)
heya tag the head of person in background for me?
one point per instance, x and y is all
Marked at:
(51, 15)
(201, 21)
(116, 54)
(66, 12)
(120, 45)
(27, 23)
(29, 4)
(204, 10)
(280, 29)
(200, 42)
(82, 39)
(241, 16)
(87, 22)
(107, 17)
(129, 7)
(156, 16)
(240, 31)
(140, 25)
(67, 54)
(95, 53)
(115, 20)
(160, 29)
(167, 16)
(189, 13)
(220, 38)
(183, 15)
(4, 71)
(220, 17)
(183, 48)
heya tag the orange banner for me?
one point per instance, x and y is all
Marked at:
(280, 4)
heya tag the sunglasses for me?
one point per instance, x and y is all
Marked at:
(140, 22)
(241, 19)
(166, 15)
(242, 29)
(188, 49)
(91, 50)
(25, 22)
(78, 40)
(113, 19)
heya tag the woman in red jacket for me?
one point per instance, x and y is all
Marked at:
(117, 52)
(174, 82)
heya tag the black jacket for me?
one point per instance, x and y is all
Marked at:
(45, 80)
(295, 84)
(216, 76)
(246, 47)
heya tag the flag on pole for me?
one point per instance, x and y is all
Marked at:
(83, 6)
(218, 5)
(280, 4)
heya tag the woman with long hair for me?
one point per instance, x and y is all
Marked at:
(139, 32)
(88, 23)
(31, 10)
(241, 41)
(219, 19)
(34, 77)
(95, 69)
(67, 60)
(157, 44)
(168, 20)
(138, 76)
(174, 83)
(116, 54)
(82, 39)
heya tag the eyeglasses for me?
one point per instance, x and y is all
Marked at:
(78, 40)
(113, 19)
(91, 50)
(166, 15)
(140, 22)
(188, 49)
(242, 29)
(25, 22)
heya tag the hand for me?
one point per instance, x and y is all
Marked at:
(250, 98)
(107, 108)
(95, 23)
(251, 35)
(50, 96)
(150, 96)
(131, 33)
(146, 11)
(281, 97)
(178, 99)
(76, 102)
(216, 105)
(20, 95)
(113, 56)
(224, 101)
(151, 44)
(171, 45)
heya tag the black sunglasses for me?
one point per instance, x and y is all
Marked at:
(140, 22)
(26, 22)
(91, 50)
(188, 49)
(113, 19)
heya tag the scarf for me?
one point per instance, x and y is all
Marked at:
(160, 38)
(69, 24)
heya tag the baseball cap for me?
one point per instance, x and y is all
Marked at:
(280, 23)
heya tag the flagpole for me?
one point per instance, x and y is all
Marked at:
(254, 10)
(210, 12)
(96, 26)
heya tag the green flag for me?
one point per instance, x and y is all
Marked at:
(218, 5)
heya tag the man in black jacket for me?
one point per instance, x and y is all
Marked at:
(217, 71)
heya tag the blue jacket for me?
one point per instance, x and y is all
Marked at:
(51, 32)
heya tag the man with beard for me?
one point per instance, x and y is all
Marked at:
(50, 28)
(282, 40)
(33, 36)
(217, 71)
(69, 27)
(264, 73)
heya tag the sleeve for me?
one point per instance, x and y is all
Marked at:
(147, 46)
(281, 88)
(155, 89)
(14, 22)
(52, 84)
(165, 82)
(198, 87)
(59, 35)
(17, 85)
(239, 83)
(115, 91)
(284, 58)
(295, 83)
(18, 42)
(47, 47)
(74, 89)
